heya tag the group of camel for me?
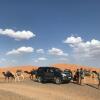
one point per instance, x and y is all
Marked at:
(18, 75)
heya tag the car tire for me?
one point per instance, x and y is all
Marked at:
(68, 81)
(40, 79)
(57, 80)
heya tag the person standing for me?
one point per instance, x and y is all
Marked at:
(98, 80)
(76, 76)
(81, 76)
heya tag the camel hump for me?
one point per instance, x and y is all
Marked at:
(8, 72)
(19, 72)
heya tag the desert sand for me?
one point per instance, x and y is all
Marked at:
(32, 90)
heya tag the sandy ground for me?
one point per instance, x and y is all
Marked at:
(7, 95)
(31, 90)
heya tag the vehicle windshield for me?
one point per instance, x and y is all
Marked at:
(57, 69)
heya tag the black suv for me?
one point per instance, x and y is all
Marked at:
(44, 74)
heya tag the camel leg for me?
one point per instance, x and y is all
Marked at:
(12, 79)
(15, 79)
(30, 77)
(18, 79)
(8, 79)
(5, 78)
(22, 77)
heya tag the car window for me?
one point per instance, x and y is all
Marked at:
(58, 70)
(47, 70)
(51, 70)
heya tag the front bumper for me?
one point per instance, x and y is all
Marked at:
(67, 78)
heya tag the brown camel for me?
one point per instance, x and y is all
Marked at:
(31, 73)
(8, 75)
(16, 76)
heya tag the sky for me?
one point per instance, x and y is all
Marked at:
(45, 32)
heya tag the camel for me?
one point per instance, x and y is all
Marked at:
(8, 75)
(16, 76)
(31, 73)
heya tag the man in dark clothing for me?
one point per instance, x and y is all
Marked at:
(76, 76)
(81, 76)
(98, 79)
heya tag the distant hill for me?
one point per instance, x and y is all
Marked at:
(75, 67)
(72, 67)
(14, 68)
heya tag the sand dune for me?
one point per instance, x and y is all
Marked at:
(30, 90)
(75, 67)
(61, 66)
(14, 68)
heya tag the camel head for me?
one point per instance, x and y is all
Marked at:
(3, 72)
(26, 72)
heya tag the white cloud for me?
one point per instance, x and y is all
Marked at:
(58, 52)
(40, 59)
(40, 51)
(17, 35)
(73, 40)
(12, 52)
(25, 49)
(36, 61)
(20, 50)
(88, 49)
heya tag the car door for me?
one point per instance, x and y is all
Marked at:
(49, 74)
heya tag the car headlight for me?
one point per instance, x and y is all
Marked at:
(64, 75)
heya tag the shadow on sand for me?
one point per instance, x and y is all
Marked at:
(91, 86)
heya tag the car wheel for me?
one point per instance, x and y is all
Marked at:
(58, 80)
(68, 81)
(40, 80)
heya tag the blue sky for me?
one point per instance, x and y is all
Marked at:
(43, 32)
